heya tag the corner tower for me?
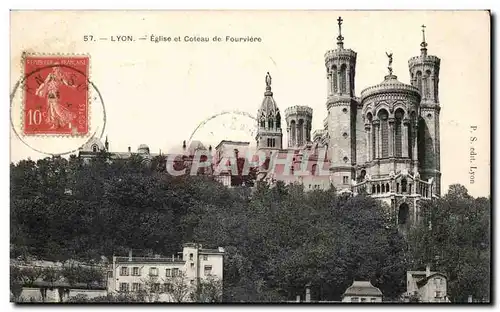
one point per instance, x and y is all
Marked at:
(298, 121)
(342, 108)
(424, 72)
(269, 134)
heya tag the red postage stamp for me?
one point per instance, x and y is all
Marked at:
(56, 97)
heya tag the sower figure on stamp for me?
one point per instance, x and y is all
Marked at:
(57, 115)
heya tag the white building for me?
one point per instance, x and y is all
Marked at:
(427, 286)
(167, 279)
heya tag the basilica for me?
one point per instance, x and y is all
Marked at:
(384, 142)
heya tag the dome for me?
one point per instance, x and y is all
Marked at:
(362, 288)
(390, 85)
(268, 106)
(143, 148)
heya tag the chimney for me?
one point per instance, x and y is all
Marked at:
(129, 149)
(130, 255)
(308, 293)
(428, 271)
(173, 258)
(298, 298)
(183, 145)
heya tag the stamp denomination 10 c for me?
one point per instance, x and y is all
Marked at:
(55, 95)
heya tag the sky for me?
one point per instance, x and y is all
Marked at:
(158, 93)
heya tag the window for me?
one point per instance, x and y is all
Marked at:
(373, 299)
(135, 271)
(313, 169)
(153, 271)
(168, 272)
(354, 299)
(156, 287)
(191, 282)
(343, 81)
(190, 256)
(208, 270)
(110, 274)
(438, 294)
(175, 272)
(345, 179)
(334, 80)
(403, 185)
(136, 287)
(437, 281)
(363, 299)
(192, 265)
(94, 148)
(384, 129)
(167, 287)
(124, 287)
(124, 271)
(205, 257)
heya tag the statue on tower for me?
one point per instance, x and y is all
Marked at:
(268, 80)
(389, 55)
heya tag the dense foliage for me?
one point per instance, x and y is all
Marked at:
(277, 239)
(454, 237)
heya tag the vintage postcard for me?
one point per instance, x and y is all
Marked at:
(250, 156)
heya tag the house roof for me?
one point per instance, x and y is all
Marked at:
(362, 288)
(424, 281)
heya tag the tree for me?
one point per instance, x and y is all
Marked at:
(454, 238)
(209, 289)
(16, 282)
(178, 287)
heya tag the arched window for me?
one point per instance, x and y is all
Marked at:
(271, 123)
(387, 189)
(403, 185)
(293, 132)
(334, 79)
(384, 129)
(300, 132)
(398, 141)
(262, 123)
(373, 189)
(313, 169)
(427, 88)
(419, 81)
(383, 188)
(378, 188)
(397, 187)
(403, 214)
(278, 121)
(343, 81)
(94, 148)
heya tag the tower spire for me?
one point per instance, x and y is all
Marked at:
(423, 45)
(340, 39)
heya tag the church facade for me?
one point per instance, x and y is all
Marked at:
(384, 142)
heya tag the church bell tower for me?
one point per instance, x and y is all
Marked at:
(342, 108)
(424, 72)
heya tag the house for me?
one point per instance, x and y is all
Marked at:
(167, 279)
(362, 291)
(427, 286)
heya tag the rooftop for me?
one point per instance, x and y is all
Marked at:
(362, 288)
